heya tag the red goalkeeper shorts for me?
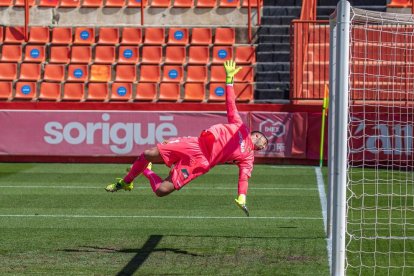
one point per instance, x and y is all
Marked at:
(185, 158)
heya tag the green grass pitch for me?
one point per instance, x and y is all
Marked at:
(56, 219)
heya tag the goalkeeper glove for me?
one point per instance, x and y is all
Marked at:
(231, 70)
(241, 202)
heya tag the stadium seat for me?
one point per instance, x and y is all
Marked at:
(8, 71)
(30, 71)
(136, 3)
(253, 3)
(183, 4)
(131, 36)
(6, 3)
(6, 90)
(222, 53)
(217, 73)
(14, 34)
(201, 36)
(81, 54)
(160, 3)
(104, 54)
(172, 73)
(229, 3)
(115, 3)
(245, 55)
(100, 73)
(225, 36)
(77, 72)
(61, 35)
(154, 36)
(169, 91)
(125, 73)
(39, 35)
(59, 54)
(48, 3)
(121, 91)
(196, 74)
(69, 3)
(198, 55)
(146, 91)
(150, 73)
(97, 91)
(151, 54)
(11, 52)
(54, 72)
(1, 33)
(25, 90)
(92, 3)
(49, 91)
(206, 3)
(245, 74)
(243, 91)
(177, 36)
(128, 54)
(194, 92)
(34, 53)
(20, 3)
(175, 55)
(84, 35)
(108, 36)
(217, 92)
(73, 91)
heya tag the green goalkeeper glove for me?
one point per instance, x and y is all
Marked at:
(231, 70)
(241, 202)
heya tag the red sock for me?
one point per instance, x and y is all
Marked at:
(153, 178)
(137, 168)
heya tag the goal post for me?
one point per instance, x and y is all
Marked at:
(371, 144)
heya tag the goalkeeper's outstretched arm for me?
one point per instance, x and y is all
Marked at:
(232, 112)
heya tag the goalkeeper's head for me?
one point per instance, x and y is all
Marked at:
(259, 140)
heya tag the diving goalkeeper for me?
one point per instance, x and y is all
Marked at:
(190, 157)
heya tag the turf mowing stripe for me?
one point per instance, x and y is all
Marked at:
(322, 196)
(162, 217)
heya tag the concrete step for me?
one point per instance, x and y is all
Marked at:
(272, 66)
(274, 30)
(278, 20)
(284, 10)
(271, 47)
(270, 95)
(273, 56)
(285, 38)
(276, 85)
(272, 76)
(282, 2)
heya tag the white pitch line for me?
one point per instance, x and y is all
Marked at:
(163, 217)
(322, 196)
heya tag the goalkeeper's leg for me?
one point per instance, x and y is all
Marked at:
(159, 187)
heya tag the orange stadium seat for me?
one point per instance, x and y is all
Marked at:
(154, 36)
(136, 3)
(175, 55)
(73, 91)
(198, 55)
(84, 35)
(160, 3)
(131, 36)
(34, 53)
(222, 53)
(194, 91)
(81, 54)
(61, 35)
(92, 3)
(8, 71)
(6, 90)
(14, 34)
(6, 3)
(20, 3)
(1, 33)
(69, 3)
(150, 73)
(30, 71)
(77, 72)
(151, 54)
(146, 91)
(183, 3)
(108, 36)
(245, 74)
(201, 36)
(253, 3)
(100, 73)
(169, 91)
(217, 92)
(177, 36)
(97, 91)
(196, 74)
(115, 3)
(54, 72)
(243, 91)
(125, 73)
(217, 73)
(128, 54)
(59, 54)
(104, 54)
(48, 3)
(25, 90)
(225, 36)
(49, 91)
(121, 91)
(173, 73)
(229, 3)
(39, 35)
(245, 55)
(206, 3)
(11, 52)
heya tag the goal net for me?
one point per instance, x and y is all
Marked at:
(372, 83)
